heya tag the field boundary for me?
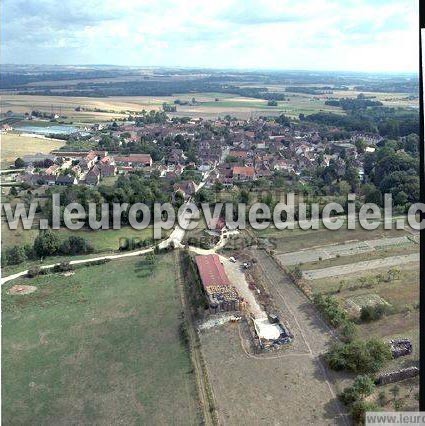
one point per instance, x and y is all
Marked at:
(202, 381)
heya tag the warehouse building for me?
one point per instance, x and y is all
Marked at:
(221, 295)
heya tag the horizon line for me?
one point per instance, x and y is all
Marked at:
(200, 67)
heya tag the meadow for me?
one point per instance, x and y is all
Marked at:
(102, 346)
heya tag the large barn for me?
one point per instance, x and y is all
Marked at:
(222, 296)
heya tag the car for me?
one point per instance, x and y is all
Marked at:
(232, 259)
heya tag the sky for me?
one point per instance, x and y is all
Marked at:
(350, 35)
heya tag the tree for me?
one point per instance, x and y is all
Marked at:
(359, 356)
(19, 163)
(359, 409)
(395, 391)
(360, 145)
(46, 244)
(364, 385)
(244, 196)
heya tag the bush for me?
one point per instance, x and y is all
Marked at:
(63, 267)
(331, 309)
(373, 313)
(46, 243)
(75, 245)
(35, 271)
(359, 356)
(349, 395)
(349, 331)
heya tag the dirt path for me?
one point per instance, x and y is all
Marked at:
(4, 280)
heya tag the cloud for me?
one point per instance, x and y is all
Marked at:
(321, 34)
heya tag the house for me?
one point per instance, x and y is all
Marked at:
(52, 170)
(66, 180)
(134, 160)
(243, 174)
(107, 170)
(186, 188)
(93, 176)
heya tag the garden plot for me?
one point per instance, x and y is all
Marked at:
(337, 250)
(352, 268)
(364, 300)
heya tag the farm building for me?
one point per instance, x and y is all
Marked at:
(222, 296)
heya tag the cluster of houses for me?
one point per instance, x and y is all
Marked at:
(235, 150)
(72, 168)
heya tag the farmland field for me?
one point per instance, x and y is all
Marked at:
(205, 106)
(15, 145)
(279, 390)
(100, 346)
(362, 287)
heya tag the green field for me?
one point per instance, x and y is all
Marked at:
(99, 347)
(102, 240)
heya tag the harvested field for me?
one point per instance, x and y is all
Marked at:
(292, 240)
(352, 268)
(346, 249)
(15, 145)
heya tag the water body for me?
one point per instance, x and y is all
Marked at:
(54, 129)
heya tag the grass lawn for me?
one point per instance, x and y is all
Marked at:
(14, 145)
(99, 347)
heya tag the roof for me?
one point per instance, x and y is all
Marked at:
(65, 179)
(134, 158)
(211, 271)
(246, 171)
(239, 154)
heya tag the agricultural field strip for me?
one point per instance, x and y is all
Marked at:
(346, 249)
(353, 268)
(276, 284)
